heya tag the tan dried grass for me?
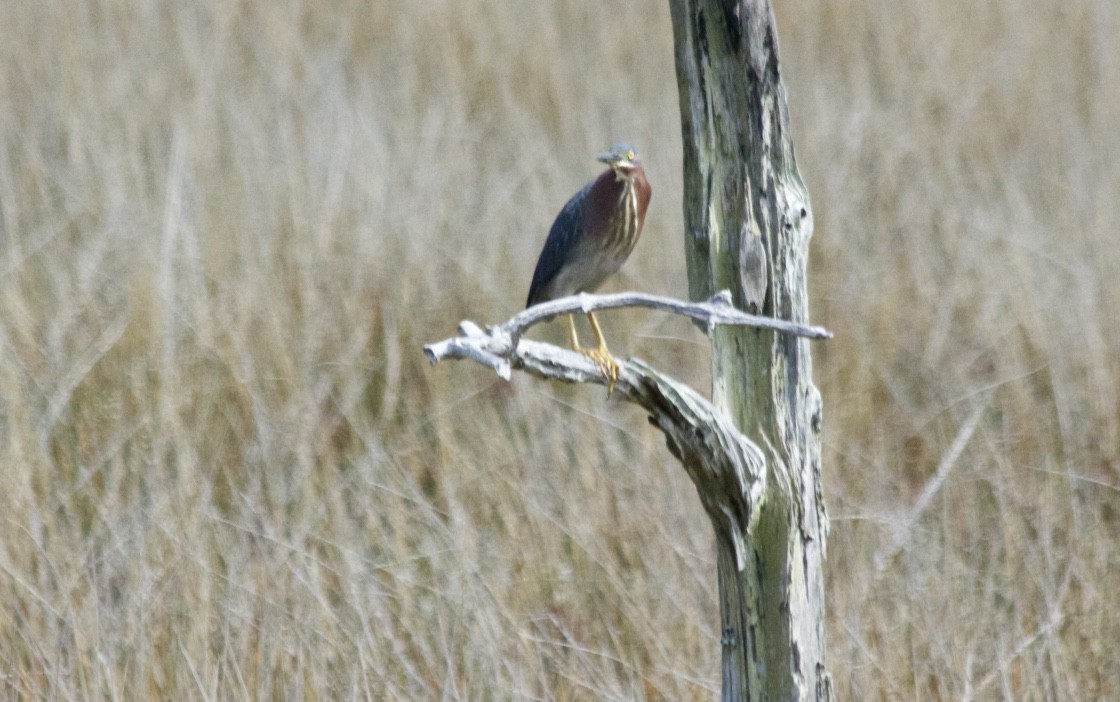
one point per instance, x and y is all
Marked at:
(229, 473)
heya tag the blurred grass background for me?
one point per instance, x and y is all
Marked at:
(227, 228)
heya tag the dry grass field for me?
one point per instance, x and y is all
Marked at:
(227, 471)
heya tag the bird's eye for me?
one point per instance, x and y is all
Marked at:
(630, 155)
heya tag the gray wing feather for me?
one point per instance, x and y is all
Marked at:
(562, 239)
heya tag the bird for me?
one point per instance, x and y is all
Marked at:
(590, 240)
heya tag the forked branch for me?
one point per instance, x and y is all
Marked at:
(500, 345)
(729, 470)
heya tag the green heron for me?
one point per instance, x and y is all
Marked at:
(589, 241)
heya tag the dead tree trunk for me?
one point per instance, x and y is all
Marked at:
(747, 229)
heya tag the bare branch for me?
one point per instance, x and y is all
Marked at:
(477, 345)
(500, 347)
(716, 310)
(728, 470)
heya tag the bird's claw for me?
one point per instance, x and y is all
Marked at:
(607, 364)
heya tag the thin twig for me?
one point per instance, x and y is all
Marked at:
(904, 530)
(713, 312)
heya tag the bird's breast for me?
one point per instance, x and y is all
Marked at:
(625, 223)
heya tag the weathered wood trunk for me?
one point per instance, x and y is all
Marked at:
(747, 229)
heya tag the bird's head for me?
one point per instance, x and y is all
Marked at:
(622, 158)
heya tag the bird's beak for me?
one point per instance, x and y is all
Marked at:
(615, 161)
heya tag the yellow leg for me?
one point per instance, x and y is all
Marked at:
(572, 336)
(601, 355)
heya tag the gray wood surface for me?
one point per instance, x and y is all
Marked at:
(747, 229)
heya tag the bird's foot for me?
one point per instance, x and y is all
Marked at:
(607, 364)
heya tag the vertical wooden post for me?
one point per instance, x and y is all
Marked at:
(747, 229)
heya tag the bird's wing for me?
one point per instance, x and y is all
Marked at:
(562, 240)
